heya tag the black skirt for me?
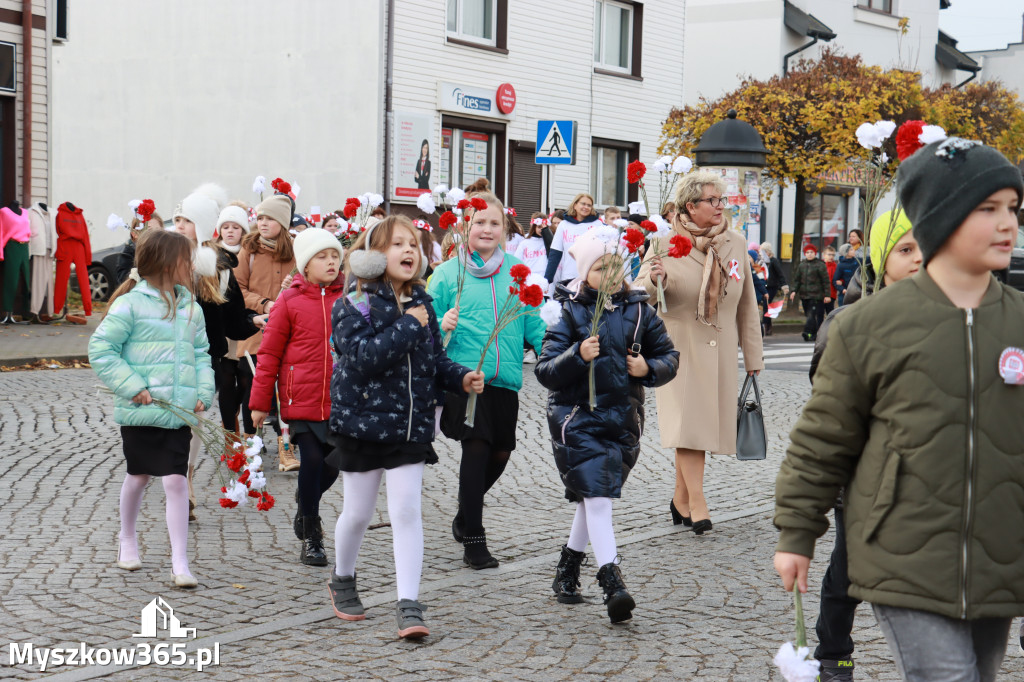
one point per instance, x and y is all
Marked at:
(354, 455)
(497, 411)
(156, 451)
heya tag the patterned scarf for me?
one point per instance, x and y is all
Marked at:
(709, 241)
(269, 244)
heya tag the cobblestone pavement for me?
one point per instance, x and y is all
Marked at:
(709, 608)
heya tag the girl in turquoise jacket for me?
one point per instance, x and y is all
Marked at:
(487, 446)
(152, 345)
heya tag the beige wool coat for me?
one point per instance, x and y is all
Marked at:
(697, 409)
(259, 277)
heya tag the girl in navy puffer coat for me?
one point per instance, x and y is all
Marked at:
(595, 449)
(295, 353)
(383, 394)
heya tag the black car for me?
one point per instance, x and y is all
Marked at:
(1014, 275)
(102, 273)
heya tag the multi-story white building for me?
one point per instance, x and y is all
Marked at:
(727, 40)
(341, 97)
(1005, 65)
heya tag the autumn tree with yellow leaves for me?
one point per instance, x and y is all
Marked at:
(808, 118)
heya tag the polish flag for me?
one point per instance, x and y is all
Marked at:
(315, 214)
(774, 309)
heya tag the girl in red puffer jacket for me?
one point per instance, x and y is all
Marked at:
(296, 354)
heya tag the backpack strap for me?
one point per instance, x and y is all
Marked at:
(637, 346)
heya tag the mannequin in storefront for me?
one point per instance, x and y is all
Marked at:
(73, 246)
(15, 232)
(41, 249)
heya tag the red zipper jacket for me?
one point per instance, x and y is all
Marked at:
(296, 352)
(71, 226)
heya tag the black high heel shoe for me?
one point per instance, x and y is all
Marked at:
(700, 526)
(678, 518)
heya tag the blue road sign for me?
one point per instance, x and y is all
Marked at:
(556, 142)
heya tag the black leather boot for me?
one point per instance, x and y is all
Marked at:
(476, 555)
(312, 542)
(567, 576)
(616, 598)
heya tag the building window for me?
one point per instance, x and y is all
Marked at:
(877, 5)
(825, 221)
(608, 162)
(60, 24)
(613, 35)
(471, 150)
(473, 20)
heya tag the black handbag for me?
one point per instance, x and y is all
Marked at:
(751, 440)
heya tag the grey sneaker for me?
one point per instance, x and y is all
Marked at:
(836, 671)
(345, 598)
(410, 619)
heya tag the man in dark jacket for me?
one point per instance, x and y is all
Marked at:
(810, 282)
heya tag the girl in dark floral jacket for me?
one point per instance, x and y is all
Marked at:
(382, 408)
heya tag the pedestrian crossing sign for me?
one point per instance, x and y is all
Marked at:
(556, 142)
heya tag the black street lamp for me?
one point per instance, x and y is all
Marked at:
(731, 143)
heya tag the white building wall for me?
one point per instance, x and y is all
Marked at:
(550, 65)
(153, 98)
(1006, 66)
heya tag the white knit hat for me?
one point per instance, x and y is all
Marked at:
(234, 214)
(312, 241)
(202, 207)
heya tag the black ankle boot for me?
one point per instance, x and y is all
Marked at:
(476, 555)
(297, 520)
(616, 598)
(567, 576)
(312, 542)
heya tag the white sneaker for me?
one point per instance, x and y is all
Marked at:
(529, 357)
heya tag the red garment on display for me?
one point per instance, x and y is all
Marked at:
(72, 247)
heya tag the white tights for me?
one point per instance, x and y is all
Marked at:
(176, 492)
(404, 485)
(593, 523)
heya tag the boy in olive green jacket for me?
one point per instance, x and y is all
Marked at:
(916, 409)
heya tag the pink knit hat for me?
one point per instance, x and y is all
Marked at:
(590, 247)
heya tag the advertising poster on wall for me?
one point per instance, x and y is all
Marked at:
(414, 171)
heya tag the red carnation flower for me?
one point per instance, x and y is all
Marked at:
(519, 273)
(276, 182)
(284, 187)
(227, 504)
(513, 289)
(253, 493)
(236, 462)
(463, 204)
(649, 226)
(478, 203)
(908, 138)
(635, 171)
(532, 295)
(681, 246)
(244, 478)
(146, 210)
(267, 503)
(447, 220)
(350, 211)
(634, 239)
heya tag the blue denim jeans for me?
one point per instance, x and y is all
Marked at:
(928, 647)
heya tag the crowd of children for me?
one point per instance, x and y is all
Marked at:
(364, 360)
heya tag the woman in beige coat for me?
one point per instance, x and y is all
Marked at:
(711, 310)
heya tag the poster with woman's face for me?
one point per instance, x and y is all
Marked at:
(415, 159)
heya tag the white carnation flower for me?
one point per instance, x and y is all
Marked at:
(259, 184)
(455, 195)
(884, 129)
(538, 279)
(237, 492)
(795, 665)
(636, 207)
(931, 134)
(682, 164)
(867, 136)
(550, 312)
(426, 203)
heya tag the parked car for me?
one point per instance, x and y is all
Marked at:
(1014, 275)
(102, 280)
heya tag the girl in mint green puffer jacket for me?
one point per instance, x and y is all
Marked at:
(152, 345)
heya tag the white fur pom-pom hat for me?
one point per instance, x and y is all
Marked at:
(203, 208)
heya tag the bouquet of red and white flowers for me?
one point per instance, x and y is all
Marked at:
(526, 295)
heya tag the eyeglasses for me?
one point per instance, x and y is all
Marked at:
(714, 202)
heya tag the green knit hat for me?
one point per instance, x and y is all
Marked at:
(880, 246)
(941, 183)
